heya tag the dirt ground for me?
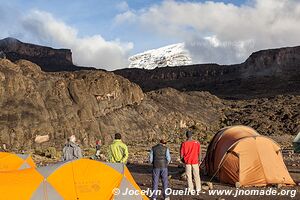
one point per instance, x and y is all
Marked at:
(142, 173)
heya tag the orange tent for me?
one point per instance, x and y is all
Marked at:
(11, 161)
(82, 179)
(238, 154)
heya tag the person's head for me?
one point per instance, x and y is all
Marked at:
(72, 138)
(189, 134)
(118, 136)
(163, 141)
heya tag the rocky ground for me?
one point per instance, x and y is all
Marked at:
(141, 170)
(142, 174)
(96, 104)
(278, 115)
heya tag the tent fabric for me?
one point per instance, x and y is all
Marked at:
(81, 179)
(223, 140)
(296, 143)
(11, 161)
(19, 184)
(240, 154)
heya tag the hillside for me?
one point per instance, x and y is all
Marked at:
(92, 105)
(262, 92)
(48, 58)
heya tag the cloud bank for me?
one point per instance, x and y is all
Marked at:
(219, 32)
(212, 31)
(87, 51)
(43, 28)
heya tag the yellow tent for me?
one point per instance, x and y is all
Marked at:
(11, 161)
(81, 179)
(238, 154)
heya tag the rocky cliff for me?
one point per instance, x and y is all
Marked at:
(58, 104)
(264, 73)
(48, 58)
(93, 104)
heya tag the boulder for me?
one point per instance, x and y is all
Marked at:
(41, 139)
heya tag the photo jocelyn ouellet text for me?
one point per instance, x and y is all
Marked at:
(224, 192)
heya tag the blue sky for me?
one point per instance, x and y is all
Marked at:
(97, 17)
(223, 31)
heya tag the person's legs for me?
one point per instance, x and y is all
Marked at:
(98, 153)
(196, 174)
(165, 181)
(188, 172)
(155, 180)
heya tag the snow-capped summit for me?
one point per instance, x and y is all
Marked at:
(171, 55)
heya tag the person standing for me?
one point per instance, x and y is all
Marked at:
(71, 150)
(190, 153)
(118, 151)
(160, 158)
(98, 147)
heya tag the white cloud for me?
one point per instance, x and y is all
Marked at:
(128, 16)
(87, 51)
(223, 33)
(122, 6)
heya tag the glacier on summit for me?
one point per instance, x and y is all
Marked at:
(171, 55)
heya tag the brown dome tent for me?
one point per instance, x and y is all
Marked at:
(238, 154)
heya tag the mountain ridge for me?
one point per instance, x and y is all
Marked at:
(48, 58)
(95, 104)
(264, 73)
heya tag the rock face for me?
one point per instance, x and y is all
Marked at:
(172, 55)
(269, 116)
(2, 55)
(168, 113)
(58, 104)
(48, 58)
(92, 105)
(264, 73)
(41, 109)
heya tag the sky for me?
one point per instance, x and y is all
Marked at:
(104, 34)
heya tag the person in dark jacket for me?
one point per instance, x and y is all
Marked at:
(160, 158)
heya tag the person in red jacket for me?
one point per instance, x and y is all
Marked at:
(190, 153)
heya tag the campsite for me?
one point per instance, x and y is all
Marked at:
(98, 178)
(149, 100)
(292, 161)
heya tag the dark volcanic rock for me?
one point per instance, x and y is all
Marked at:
(95, 104)
(168, 113)
(264, 73)
(35, 103)
(48, 58)
(269, 116)
(2, 55)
